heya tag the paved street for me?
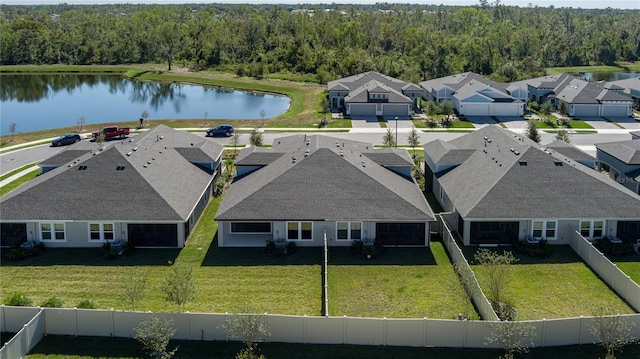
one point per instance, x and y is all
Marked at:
(10, 161)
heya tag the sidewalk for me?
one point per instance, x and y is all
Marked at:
(10, 179)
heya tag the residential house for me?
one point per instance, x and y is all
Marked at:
(621, 160)
(579, 97)
(149, 189)
(306, 187)
(474, 95)
(629, 87)
(373, 94)
(500, 188)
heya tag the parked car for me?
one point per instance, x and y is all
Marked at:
(67, 139)
(111, 132)
(226, 130)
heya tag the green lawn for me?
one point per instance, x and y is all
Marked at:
(631, 267)
(577, 69)
(559, 286)
(580, 124)
(226, 277)
(69, 347)
(461, 124)
(14, 184)
(404, 283)
(339, 123)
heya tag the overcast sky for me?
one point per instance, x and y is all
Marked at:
(585, 4)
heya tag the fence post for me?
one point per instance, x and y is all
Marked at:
(344, 329)
(424, 332)
(304, 329)
(75, 310)
(544, 335)
(113, 323)
(384, 331)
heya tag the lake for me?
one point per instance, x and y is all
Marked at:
(607, 76)
(45, 101)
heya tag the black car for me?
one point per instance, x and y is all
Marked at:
(226, 130)
(67, 139)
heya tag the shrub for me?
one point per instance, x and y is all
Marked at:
(16, 253)
(18, 299)
(87, 304)
(106, 251)
(53, 302)
(128, 249)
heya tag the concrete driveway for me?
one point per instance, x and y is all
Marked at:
(513, 122)
(480, 121)
(599, 123)
(629, 123)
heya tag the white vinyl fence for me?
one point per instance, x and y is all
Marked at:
(420, 332)
(609, 272)
(457, 257)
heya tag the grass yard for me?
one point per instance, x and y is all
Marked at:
(577, 69)
(559, 286)
(631, 268)
(461, 124)
(226, 278)
(579, 124)
(15, 184)
(404, 283)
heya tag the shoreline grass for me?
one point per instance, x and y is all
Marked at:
(304, 109)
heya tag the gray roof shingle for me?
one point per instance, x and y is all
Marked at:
(335, 180)
(495, 182)
(626, 151)
(144, 178)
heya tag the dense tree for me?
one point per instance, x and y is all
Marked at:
(411, 42)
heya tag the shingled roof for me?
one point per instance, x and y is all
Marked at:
(147, 177)
(324, 178)
(523, 181)
(626, 151)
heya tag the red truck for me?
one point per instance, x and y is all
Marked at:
(111, 132)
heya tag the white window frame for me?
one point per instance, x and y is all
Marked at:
(592, 228)
(102, 231)
(349, 229)
(52, 232)
(299, 224)
(544, 229)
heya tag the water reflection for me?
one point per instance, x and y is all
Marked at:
(43, 101)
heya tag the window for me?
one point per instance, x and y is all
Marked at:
(52, 231)
(299, 231)
(592, 229)
(544, 229)
(250, 227)
(348, 231)
(101, 231)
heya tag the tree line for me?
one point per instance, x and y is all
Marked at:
(411, 42)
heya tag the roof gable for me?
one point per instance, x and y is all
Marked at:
(327, 183)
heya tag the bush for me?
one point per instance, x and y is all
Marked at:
(128, 249)
(18, 299)
(106, 251)
(16, 253)
(53, 302)
(87, 304)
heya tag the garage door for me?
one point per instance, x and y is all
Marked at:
(585, 110)
(504, 109)
(475, 109)
(615, 111)
(357, 109)
(395, 110)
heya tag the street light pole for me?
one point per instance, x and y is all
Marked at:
(396, 131)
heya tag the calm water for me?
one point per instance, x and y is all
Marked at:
(608, 76)
(38, 102)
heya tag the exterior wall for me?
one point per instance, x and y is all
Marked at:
(244, 170)
(520, 94)
(279, 231)
(620, 168)
(76, 234)
(537, 94)
(403, 171)
(336, 98)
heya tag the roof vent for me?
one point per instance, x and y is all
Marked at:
(516, 152)
(129, 153)
(162, 137)
(148, 162)
(145, 166)
(522, 163)
(558, 163)
(135, 148)
(120, 168)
